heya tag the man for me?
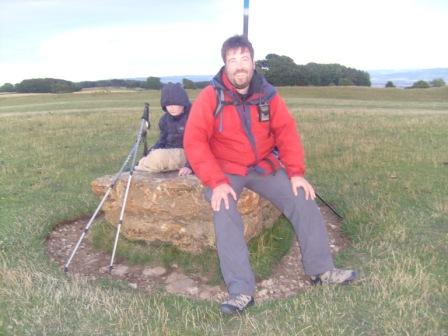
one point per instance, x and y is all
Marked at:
(235, 128)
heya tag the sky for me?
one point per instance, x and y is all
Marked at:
(80, 40)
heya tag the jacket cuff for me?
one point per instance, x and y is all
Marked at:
(214, 184)
(295, 173)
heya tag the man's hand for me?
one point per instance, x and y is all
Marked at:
(184, 171)
(220, 193)
(300, 182)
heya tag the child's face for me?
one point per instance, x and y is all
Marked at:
(175, 110)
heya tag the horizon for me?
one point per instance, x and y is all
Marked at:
(189, 76)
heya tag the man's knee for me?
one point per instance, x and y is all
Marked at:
(298, 204)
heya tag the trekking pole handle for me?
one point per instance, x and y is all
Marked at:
(146, 112)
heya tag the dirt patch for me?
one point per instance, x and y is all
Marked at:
(287, 279)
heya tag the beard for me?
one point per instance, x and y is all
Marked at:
(241, 82)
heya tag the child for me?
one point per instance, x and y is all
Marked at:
(168, 154)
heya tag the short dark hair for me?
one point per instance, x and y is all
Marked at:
(235, 42)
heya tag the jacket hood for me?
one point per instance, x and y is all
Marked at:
(174, 94)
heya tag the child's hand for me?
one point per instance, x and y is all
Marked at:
(184, 171)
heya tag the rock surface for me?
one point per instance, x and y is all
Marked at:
(168, 208)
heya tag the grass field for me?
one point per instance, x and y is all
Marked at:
(380, 155)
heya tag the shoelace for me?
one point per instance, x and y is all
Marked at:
(334, 274)
(240, 301)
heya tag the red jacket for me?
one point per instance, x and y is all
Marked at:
(221, 144)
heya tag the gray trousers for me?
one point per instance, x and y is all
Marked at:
(304, 215)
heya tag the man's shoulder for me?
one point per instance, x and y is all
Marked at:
(205, 94)
(207, 90)
(205, 103)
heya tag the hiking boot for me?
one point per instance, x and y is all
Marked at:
(237, 304)
(334, 277)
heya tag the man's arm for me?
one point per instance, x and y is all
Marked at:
(290, 147)
(198, 131)
(287, 138)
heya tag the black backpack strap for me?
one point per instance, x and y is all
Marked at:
(220, 98)
(220, 101)
(268, 92)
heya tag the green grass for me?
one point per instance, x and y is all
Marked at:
(379, 155)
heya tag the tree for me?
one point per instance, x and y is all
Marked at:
(7, 87)
(281, 70)
(154, 83)
(313, 74)
(421, 84)
(201, 84)
(188, 84)
(278, 70)
(345, 81)
(358, 77)
(46, 85)
(437, 82)
(389, 84)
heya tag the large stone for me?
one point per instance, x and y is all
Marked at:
(168, 208)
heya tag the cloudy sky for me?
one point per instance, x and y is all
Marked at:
(102, 39)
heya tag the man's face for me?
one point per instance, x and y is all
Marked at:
(174, 110)
(239, 67)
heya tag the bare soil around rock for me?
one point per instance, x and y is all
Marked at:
(287, 279)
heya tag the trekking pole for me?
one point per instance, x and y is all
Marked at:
(328, 205)
(145, 121)
(246, 19)
(146, 149)
(132, 152)
(100, 205)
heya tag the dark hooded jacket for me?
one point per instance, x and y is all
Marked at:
(172, 127)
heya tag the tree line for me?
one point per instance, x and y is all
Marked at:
(278, 70)
(326, 76)
(421, 84)
(283, 71)
(54, 85)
